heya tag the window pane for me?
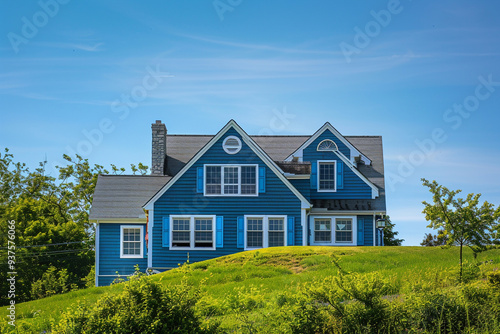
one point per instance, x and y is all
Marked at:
(230, 175)
(213, 180)
(248, 180)
(254, 239)
(254, 224)
(180, 236)
(326, 176)
(343, 230)
(181, 225)
(231, 189)
(203, 224)
(276, 239)
(322, 230)
(276, 224)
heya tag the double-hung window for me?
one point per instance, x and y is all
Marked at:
(322, 230)
(231, 180)
(343, 230)
(131, 241)
(265, 231)
(192, 232)
(326, 176)
(334, 230)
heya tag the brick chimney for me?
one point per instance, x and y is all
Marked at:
(159, 149)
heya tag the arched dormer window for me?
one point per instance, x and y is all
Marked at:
(327, 145)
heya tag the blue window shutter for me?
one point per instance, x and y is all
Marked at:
(361, 232)
(199, 180)
(219, 236)
(241, 232)
(314, 175)
(291, 231)
(166, 232)
(262, 179)
(340, 175)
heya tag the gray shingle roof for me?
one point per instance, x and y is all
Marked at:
(122, 196)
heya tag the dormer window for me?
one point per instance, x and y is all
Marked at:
(231, 145)
(327, 145)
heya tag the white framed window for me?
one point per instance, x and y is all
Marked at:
(343, 230)
(322, 230)
(231, 180)
(265, 231)
(327, 145)
(231, 144)
(327, 176)
(131, 241)
(329, 230)
(192, 232)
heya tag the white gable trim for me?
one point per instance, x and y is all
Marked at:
(327, 126)
(253, 146)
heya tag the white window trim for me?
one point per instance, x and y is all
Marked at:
(334, 220)
(334, 175)
(191, 231)
(132, 256)
(225, 147)
(333, 227)
(239, 180)
(265, 229)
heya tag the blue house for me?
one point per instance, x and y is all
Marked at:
(209, 196)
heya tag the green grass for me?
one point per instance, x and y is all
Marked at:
(265, 273)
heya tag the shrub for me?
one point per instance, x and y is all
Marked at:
(143, 307)
(52, 282)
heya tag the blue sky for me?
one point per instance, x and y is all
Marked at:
(423, 74)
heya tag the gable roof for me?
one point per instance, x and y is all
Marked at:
(182, 148)
(251, 144)
(122, 196)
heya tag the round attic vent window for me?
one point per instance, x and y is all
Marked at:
(231, 145)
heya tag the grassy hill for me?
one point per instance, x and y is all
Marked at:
(239, 290)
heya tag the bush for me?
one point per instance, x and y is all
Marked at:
(143, 307)
(52, 282)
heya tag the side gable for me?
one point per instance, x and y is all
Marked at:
(251, 144)
(346, 153)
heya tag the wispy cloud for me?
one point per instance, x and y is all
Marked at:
(75, 46)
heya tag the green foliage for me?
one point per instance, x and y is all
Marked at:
(432, 240)
(51, 220)
(143, 307)
(302, 290)
(390, 238)
(462, 221)
(53, 282)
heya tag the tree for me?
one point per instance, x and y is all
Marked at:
(390, 235)
(463, 221)
(432, 240)
(52, 229)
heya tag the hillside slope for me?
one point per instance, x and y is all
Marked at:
(260, 276)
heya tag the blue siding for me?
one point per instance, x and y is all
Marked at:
(109, 254)
(302, 185)
(182, 198)
(353, 186)
(368, 229)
